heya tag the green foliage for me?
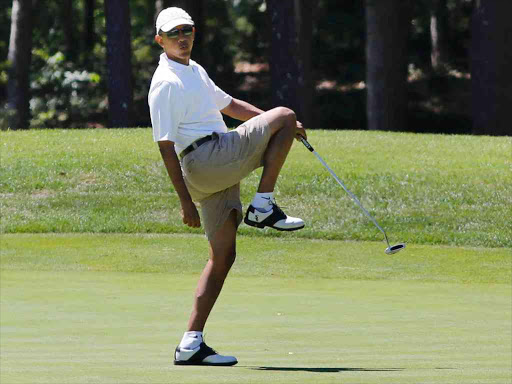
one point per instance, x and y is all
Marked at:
(5, 30)
(251, 35)
(423, 189)
(4, 118)
(232, 31)
(458, 19)
(338, 41)
(63, 95)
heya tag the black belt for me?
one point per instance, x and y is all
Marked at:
(196, 144)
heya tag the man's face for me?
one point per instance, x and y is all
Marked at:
(178, 43)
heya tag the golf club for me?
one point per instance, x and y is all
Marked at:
(390, 249)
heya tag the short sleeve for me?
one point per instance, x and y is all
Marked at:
(222, 99)
(165, 112)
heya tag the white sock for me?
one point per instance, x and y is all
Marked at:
(263, 201)
(191, 340)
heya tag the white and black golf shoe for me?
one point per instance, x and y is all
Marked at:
(202, 355)
(275, 218)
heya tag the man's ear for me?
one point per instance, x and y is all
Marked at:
(159, 40)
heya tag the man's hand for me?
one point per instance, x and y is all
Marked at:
(190, 215)
(189, 212)
(301, 132)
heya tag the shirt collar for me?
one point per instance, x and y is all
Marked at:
(164, 60)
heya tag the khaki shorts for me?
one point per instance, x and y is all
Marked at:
(213, 171)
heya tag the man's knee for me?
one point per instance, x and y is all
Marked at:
(223, 264)
(230, 260)
(281, 118)
(287, 114)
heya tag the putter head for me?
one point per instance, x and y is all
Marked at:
(395, 248)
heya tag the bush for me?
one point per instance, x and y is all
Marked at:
(62, 94)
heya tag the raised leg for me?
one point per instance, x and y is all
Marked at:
(283, 127)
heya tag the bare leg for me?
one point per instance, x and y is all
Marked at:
(283, 127)
(222, 257)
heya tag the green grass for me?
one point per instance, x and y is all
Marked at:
(72, 327)
(424, 189)
(103, 308)
(256, 257)
(107, 301)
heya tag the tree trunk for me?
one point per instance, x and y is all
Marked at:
(304, 10)
(69, 27)
(19, 58)
(439, 35)
(196, 9)
(159, 7)
(284, 66)
(387, 23)
(120, 89)
(89, 35)
(491, 63)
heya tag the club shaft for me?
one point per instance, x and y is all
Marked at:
(354, 197)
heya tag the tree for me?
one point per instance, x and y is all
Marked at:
(387, 23)
(304, 11)
(439, 35)
(120, 89)
(89, 35)
(491, 63)
(286, 62)
(159, 6)
(19, 58)
(68, 26)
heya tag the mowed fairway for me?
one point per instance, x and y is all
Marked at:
(111, 308)
(97, 270)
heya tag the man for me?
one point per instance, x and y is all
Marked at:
(205, 163)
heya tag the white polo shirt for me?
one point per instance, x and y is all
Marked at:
(185, 103)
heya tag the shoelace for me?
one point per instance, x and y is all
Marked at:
(209, 349)
(277, 208)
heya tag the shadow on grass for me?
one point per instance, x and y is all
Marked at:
(325, 370)
(329, 370)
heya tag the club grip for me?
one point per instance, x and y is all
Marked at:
(306, 144)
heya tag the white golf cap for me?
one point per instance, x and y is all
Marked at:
(172, 17)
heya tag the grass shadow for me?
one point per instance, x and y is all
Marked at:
(325, 370)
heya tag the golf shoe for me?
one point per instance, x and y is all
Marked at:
(202, 355)
(273, 218)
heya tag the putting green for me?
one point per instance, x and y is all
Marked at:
(110, 327)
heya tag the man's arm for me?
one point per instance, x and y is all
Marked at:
(241, 110)
(188, 208)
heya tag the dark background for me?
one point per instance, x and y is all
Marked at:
(70, 71)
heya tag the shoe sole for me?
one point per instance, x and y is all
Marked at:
(179, 362)
(261, 226)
